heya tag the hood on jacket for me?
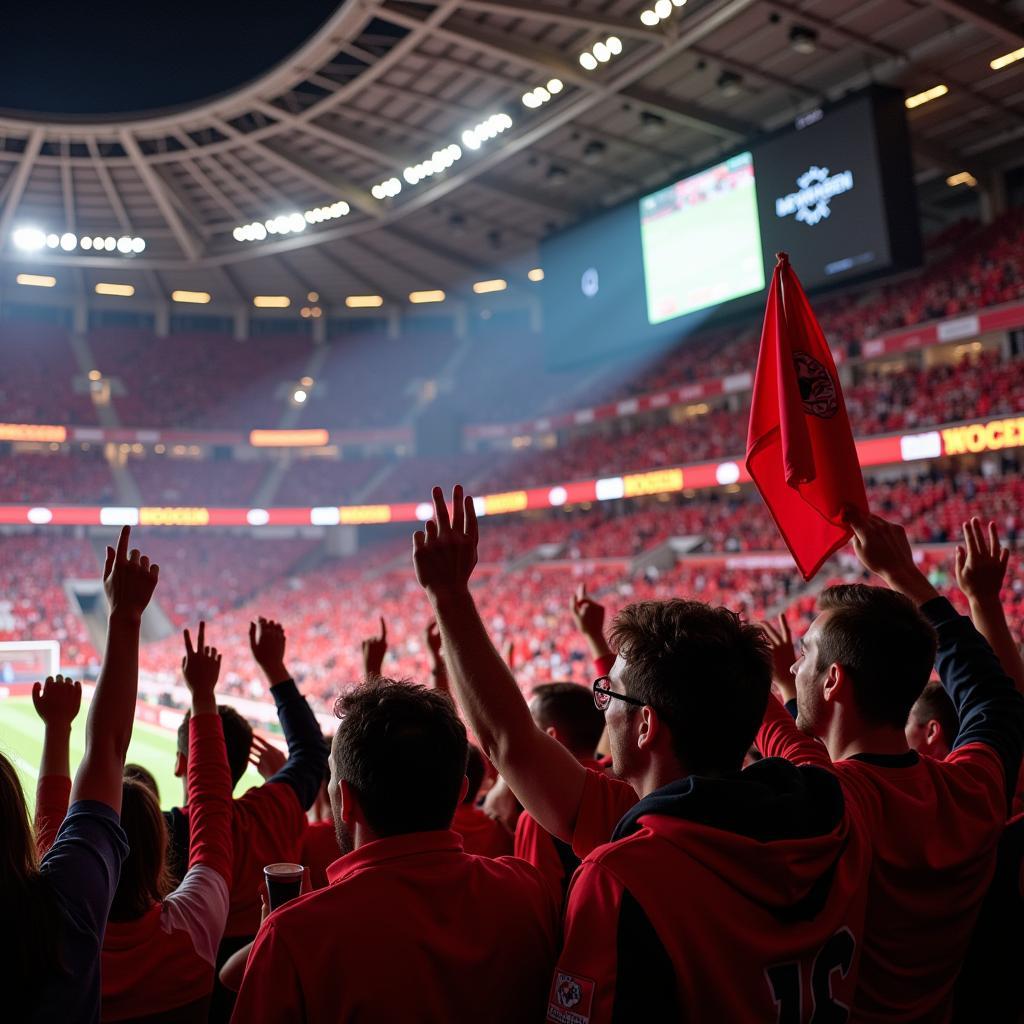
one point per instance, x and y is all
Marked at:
(777, 829)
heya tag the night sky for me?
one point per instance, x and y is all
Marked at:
(115, 57)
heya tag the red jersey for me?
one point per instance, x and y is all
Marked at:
(480, 833)
(161, 965)
(551, 856)
(267, 825)
(935, 827)
(734, 899)
(410, 929)
(319, 851)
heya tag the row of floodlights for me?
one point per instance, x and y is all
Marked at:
(441, 159)
(287, 223)
(33, 239)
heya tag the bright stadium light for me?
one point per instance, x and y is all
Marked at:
(588, 61)
(200, 298)
(271, 301)
(963, 178)
(36, 280)
(431, 295)
(85, 242)
(484, 287)
(108, 288)
(602, 53)
(537, 274)
(364, 301)
(614, 44)
(299, 396)
(52, 240)
(138, 245)
(926, 97)
(1007, 58)
(29, 239)
(649, 18)
(68, 241)
(555, 86)
(663, 8)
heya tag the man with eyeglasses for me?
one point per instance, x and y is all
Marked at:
(705, 892)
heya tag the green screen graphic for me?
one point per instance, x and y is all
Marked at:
(702, 240)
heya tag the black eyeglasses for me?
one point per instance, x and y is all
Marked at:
(604, 694)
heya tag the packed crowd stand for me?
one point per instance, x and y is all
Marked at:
(978, 386)
(823, 820)
(740, 814)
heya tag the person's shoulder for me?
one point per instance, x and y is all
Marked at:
(623, 851)
(271, 796)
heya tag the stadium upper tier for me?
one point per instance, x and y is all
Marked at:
(978, 384)
(495, 374)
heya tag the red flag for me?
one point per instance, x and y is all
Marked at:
(800, 450)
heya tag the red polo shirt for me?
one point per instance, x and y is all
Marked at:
(553, 858)
(412, 929)
(480, 833)
(935, 827)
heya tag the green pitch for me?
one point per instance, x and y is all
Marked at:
(21, 739)
(703, 255)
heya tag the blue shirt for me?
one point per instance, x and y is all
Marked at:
(82, 869)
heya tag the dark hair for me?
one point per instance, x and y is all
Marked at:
(403, 749)
(885, 644)
(704, 671)
(570, 709)
(935, 703)
(145, 878)
(30, 942)
(237, 738)
(475, 769)
(143, 775)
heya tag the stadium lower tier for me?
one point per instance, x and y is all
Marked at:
(724, 549)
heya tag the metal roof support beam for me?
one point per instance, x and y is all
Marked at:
(188, 244)
(988, 17)
(585, 21)
(19, 179)
(107, 184)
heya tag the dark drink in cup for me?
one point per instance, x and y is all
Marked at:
(284, 882)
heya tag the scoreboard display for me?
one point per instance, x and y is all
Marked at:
(835, 191)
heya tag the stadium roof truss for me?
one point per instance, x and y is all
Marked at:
(388, 84)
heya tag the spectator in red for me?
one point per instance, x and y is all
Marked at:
(566, 712)
(862, 665)
(268, 822)
(721, 890)
(161, 945)
(411, 927)
(481, 834)
(56, 908)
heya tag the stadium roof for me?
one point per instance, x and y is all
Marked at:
(385, 85)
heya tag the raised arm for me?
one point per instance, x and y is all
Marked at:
(438, 669)
(991, 711)
(980, 568)
(307, 753)
(588, 615)
(374, 649)
(199, 905)
(57, 702)
(780, 645)
(129, 581)
(545, 777)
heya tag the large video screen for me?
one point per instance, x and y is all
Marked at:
(835, 191)
(701, 240)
